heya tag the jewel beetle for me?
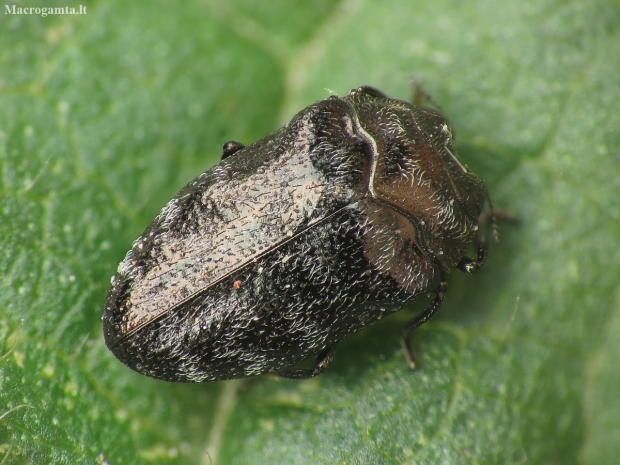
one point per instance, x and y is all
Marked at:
(349, 212)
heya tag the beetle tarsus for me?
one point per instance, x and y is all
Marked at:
(322, 360)
(419, 320)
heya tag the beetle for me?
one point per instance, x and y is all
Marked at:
(355, 208)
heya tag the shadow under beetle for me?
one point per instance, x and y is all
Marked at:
(352, 210)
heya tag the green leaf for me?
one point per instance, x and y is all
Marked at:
(104, 116)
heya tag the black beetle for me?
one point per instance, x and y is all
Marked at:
(352, 210)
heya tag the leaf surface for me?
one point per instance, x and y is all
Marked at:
(104, 116)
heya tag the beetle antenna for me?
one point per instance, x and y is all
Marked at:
(420, 96)
(494, 229)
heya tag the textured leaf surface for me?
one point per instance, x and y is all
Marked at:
(104, 116)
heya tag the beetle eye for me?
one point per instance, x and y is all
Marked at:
(369, 90)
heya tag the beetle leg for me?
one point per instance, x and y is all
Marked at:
(471, 265)
(322, 360)
(419, 320)
(230, 148)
